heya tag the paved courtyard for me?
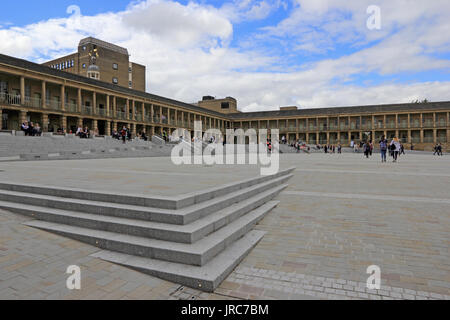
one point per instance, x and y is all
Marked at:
(340, 214)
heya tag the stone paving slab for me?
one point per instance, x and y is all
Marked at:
(339, 215)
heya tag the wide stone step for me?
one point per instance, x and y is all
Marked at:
(179, 217)
(206, 278)
(190, 233)
(162, 202)
(197, 254)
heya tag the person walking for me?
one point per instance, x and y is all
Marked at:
(366, 149)
(383, 148)
(395, 148)
(123, 133)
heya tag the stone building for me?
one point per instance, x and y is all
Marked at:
(114, 64)
(66, 99)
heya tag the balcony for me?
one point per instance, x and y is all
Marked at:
(390, 125)
(366, 126)
(71, 107)
(33, 102)
(54, 105)
(121, 115)
(428, 124)
(10, 99)
(415, 124)
(379, 125)
(441, 123)
(403, 125)
(86, 110)
(138, 117)
(415, 140)
(101, 112)
(428, 139)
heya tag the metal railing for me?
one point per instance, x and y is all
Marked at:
(86, 110)
(428, 124)
(71, 107)
(54, 105)
(121, 115)
(10, 99)
(101, 112)
(33, 102)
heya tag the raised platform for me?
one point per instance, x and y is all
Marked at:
(195, 239)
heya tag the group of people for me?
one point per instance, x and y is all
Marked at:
(123, 134)
(31, 129)
(395, 148)
(332, 149)
(83, 133)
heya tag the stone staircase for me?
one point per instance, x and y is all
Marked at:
(195, 239)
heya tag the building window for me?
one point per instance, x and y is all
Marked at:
(130, 69)
(130, 84)
(115, 66)
(225, 105)
(84, 48)
(84, 65)
(115, 80)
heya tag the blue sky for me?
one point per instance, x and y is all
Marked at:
(266, 53)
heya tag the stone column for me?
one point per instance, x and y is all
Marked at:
(22, 90)
(434, 136)
(44, 122)
(160, 114)
(107, 107)
(409, 136)
(127, 116)
(421, 120)
(114, 107)
(409, 121)
(94, 127)
(108, 128)
(133, 110)
(23, 116)
(43, 94)
(79, 100)
(421, 135)
(63, 98)
(63, 123)
(115, 125)
(94, 103)
(143, 111)
(133, 130)
(80, 122)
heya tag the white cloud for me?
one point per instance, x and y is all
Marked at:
(187, 51)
